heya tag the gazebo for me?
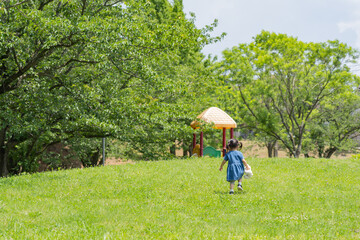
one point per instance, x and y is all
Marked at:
(220, 119)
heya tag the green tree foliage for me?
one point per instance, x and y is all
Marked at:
(86, 69)
(280, 83)
(335, 125)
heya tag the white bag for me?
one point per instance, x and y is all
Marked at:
(248, 173)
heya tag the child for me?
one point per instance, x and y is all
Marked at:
(235, 169)
(196, 151)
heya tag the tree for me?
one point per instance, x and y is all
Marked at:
(281, 82)
(74, 69)
(336, 124)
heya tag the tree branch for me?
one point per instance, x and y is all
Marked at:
(16, 4)
(83, 7)
(43, 4)
(37, 57)
(131, 75)
(15, 58)
(285, 124)
(247, 105)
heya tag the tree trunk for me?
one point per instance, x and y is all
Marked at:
(276, 150)
(94, 158)
(320, 150)
(329, 152)
(270, 148)
(6, 162)
(3, 155)
(173, 149)
(3, 163)
(299, 145)
(297, 153)
(190, 149)
(185, 149)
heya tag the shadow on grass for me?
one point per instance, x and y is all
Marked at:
(227, 193)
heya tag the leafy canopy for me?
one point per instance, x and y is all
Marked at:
(280, 82)
(86, 69)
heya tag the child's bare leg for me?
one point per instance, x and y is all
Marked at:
(240, 185)
(232, 184)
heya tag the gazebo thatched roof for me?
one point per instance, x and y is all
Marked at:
(216, 116)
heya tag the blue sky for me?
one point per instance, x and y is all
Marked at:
(309, 20)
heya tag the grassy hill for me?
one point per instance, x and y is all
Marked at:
(185, 199)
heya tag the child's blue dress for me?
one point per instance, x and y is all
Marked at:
(235, 169)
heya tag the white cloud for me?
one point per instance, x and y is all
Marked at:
(309, 20)
(352, 26)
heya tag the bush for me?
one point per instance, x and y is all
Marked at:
(355, 157)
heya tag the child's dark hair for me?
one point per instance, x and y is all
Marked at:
(233, 143)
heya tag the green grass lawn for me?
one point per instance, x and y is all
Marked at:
(185, 199)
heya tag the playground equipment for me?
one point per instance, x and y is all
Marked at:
(211, 152)
(220, 120)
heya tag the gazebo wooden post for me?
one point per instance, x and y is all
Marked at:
(231, 133)
(194, 140)
(224, 141)
(201, 144)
